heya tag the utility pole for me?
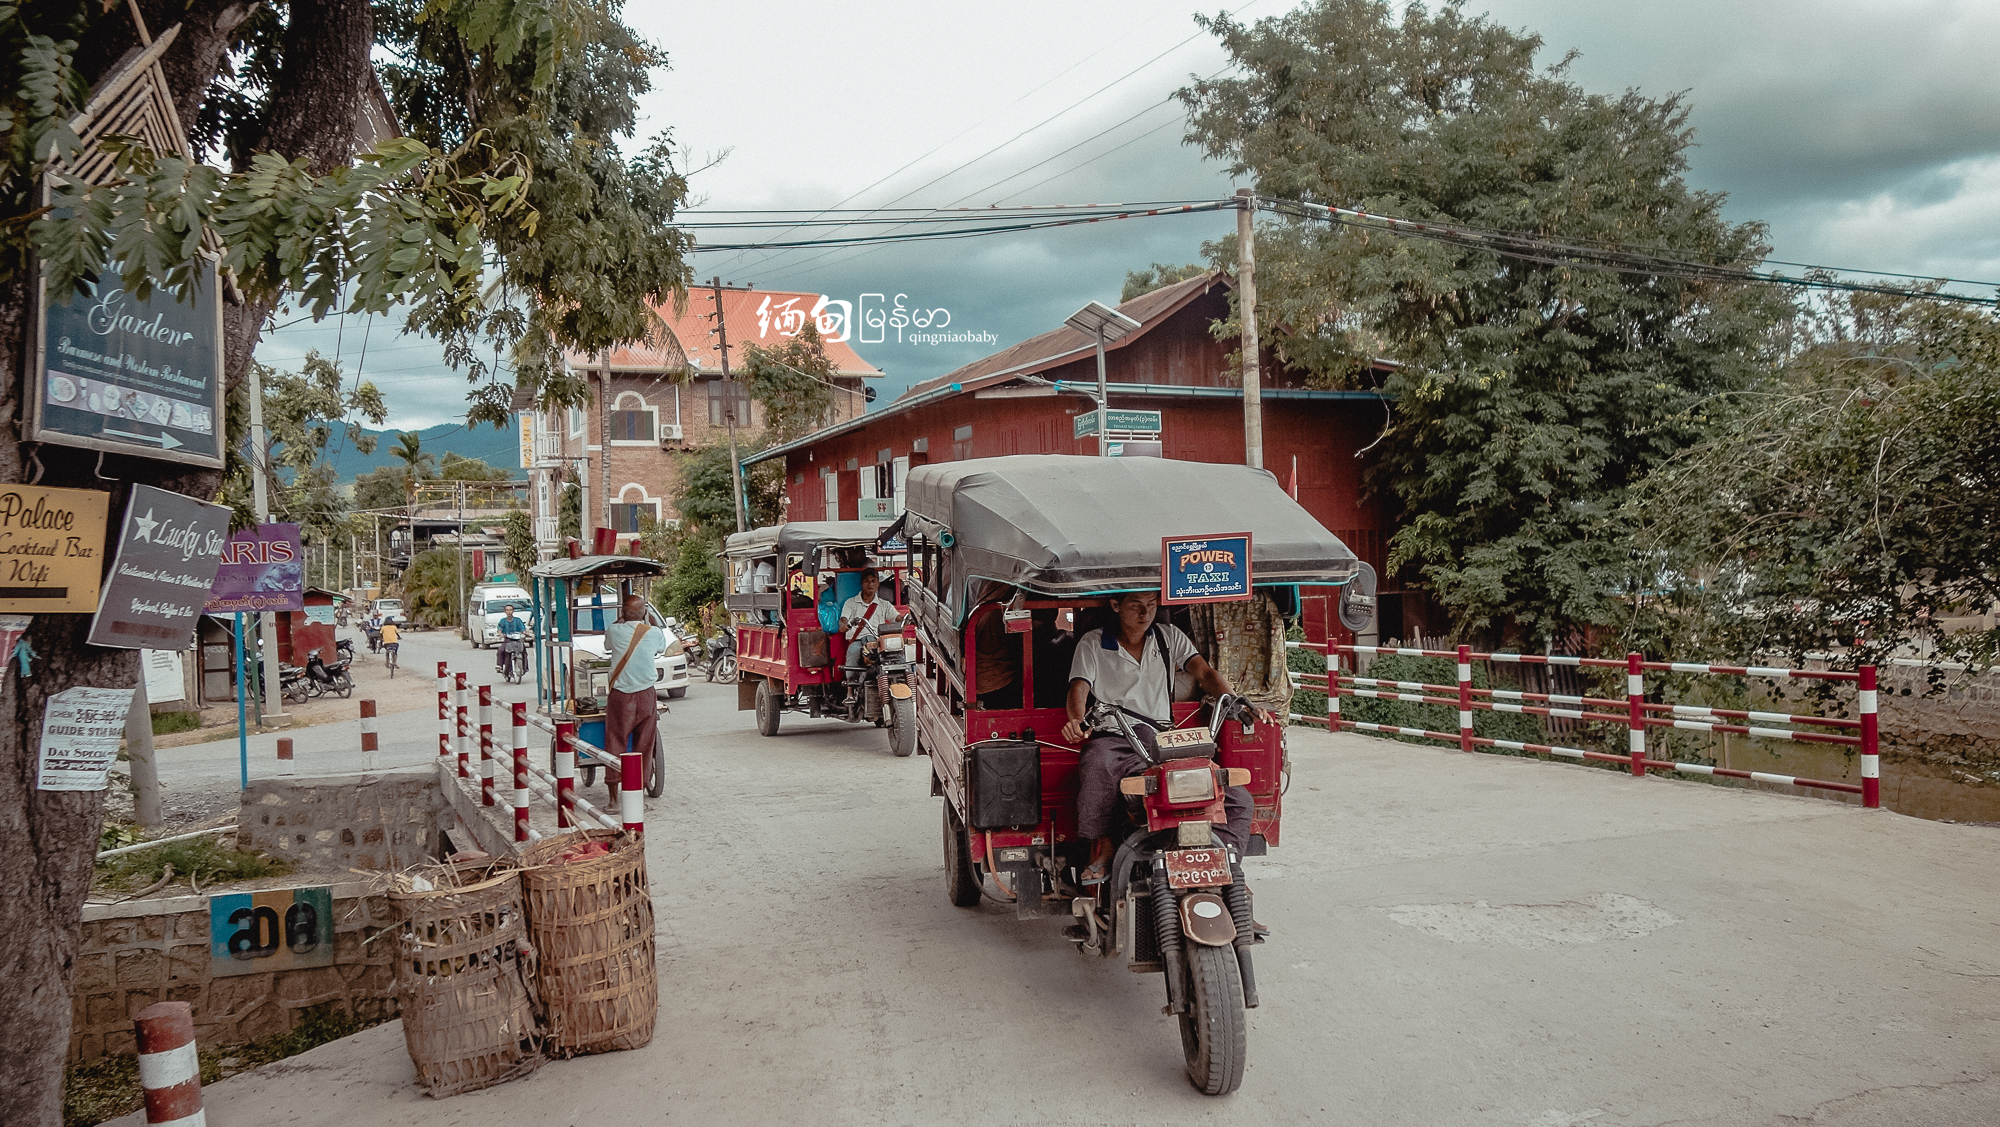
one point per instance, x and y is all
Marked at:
(729, 413)
(604, 431)
(1103, 400)
(1246, 301)
(260, 500)
(458, 570)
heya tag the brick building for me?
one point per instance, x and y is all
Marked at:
(1028, 399)
(664, 397)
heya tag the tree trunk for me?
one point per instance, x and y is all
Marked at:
(49, 840)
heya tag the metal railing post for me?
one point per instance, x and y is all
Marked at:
(370, 741)
(520, 771)
(1332, 688)
(1465, 698)
(565, 773)
(444, 710)
(1635, 703)
(1871, 750)
(486, 745)
(464, 721)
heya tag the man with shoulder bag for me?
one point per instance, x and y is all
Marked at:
(632, 713)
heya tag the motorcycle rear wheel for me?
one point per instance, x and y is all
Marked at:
(960, 882)
(343, 684)
(1212, 1035)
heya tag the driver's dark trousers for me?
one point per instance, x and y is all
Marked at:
(633, 715)
(1108, 759)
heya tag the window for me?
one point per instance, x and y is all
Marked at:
(625, 517)
(725, 398)
(632, 426)
(576, 422)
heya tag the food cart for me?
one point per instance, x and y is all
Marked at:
(574, 601)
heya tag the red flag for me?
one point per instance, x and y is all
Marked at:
(1295, 477)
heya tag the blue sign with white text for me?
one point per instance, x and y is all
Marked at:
(1205, 569)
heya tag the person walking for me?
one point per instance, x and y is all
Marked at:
(632, 715)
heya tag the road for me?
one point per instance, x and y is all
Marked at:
(1459, 939)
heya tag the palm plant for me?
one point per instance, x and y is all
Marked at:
(417, 465)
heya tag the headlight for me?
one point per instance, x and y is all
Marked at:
(1193, 785)
(893, 643)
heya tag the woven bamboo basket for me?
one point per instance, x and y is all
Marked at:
(592, 926)
(463, 973)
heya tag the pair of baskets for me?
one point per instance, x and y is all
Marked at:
(523, 963)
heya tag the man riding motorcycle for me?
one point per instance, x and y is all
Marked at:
(861, 614)
(511, 629)
(1132, 668)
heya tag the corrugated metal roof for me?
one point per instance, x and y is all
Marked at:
(766, 318)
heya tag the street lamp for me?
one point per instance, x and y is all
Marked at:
(1107, 325)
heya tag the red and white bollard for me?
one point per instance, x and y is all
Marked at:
(464, 726)
(1871, 746)
(169, 1069)
(1465, 698)
(520, 771)
(1332, 686)
(284, 755)
(444, 710)
(565, 773)
(632, 791)
(369, 740)
(1635, 706)
(486, 745)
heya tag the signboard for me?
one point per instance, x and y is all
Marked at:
(263, 568)
(526, 421)
(51, 549)
(276, 929)
(164, 680)
(1129, 422)
(322, 614)
(167, 553)
(80, 733)
(875, 508)
(1205, 569)
(130, 376)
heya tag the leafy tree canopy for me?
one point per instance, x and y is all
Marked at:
(520, 541)
(1158, 274)
(1529, 397)
(303, 411)
(1854, 496)
(705, 503)
(794, 382)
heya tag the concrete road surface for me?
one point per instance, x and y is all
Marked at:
(1460, 939)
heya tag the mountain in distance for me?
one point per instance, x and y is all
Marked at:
(501, 448)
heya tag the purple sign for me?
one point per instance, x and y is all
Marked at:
(262, 568)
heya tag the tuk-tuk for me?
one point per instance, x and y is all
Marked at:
(1018, 559)
(574, 600)
(787, 585)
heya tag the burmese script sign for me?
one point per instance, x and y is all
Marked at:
(1205, 569)
(130, 376)
(51, 549)
(167, 554)
(80, 733)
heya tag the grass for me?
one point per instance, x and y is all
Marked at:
(109, 1088)
(202, 858)
(167, 723)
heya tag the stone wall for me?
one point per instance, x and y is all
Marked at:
(134, 955)
(339, 822)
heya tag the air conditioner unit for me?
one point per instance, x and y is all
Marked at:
(670, 433)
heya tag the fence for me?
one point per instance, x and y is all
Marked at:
(557, 788)
(1636, 714)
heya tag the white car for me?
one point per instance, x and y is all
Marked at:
(487, 606)
(670, 670)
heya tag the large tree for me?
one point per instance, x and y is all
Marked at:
(1529, 394)
(507, 222)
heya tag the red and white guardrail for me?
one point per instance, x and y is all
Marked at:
(1636, 715)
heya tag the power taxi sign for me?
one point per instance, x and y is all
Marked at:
(1205, 569)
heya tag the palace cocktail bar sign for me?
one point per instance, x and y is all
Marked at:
(51, 549)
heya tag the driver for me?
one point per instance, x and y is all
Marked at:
(865, 610)
(510, 628)
(1133, 669)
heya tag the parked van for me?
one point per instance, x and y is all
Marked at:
(487, 606)
(391, 610)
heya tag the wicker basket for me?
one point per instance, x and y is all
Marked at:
(592, 925)
(462, 979)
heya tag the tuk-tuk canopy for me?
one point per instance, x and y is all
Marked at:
(801, 537)
(600, 567)
(1063, 526)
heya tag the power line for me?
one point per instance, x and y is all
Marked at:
(975, 232)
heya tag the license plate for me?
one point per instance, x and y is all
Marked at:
(1197, 868)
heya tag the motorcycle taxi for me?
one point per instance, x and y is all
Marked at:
(788, 584)
(1018, 558)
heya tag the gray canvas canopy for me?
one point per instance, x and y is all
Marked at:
(802, 537)
(1061, 526)
(599, 567)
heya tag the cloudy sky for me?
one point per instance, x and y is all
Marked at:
(1866, 134)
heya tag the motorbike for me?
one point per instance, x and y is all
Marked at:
(719, 657)
(374, 638)
(514, 657)
(294, 684)
(878, 689)
(343, 649)
(324, 678)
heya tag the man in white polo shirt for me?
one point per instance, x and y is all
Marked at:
(1133, 669)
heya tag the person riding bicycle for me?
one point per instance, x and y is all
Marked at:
(1131, 667)
(510, 629)
(391, 638)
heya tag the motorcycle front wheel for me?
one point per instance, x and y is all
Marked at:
(1212, 1034)
(724, 669)
(343, 684)
(902, 716)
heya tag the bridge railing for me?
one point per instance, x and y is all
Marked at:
(1636, 714)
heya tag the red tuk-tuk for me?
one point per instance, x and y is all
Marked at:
(1017, 558)
(788, 584)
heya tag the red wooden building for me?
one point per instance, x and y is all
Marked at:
(1026, 399)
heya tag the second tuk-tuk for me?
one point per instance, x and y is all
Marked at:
(1018, 557)
(788, 585)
